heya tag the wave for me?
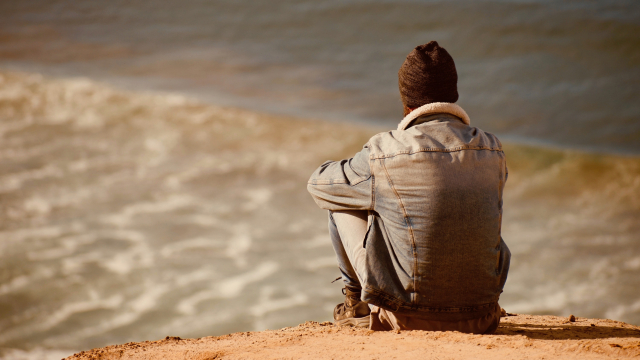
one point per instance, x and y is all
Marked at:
(571, 220)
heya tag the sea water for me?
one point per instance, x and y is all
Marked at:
(139, 201)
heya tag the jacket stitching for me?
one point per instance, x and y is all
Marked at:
(413, 240)
(373, 189)
(326, 182)
(360, 180)
(338, 181)
(419, 150)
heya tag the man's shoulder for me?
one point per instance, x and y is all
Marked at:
(434, 137)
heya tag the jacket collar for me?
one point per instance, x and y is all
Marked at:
(434, 108)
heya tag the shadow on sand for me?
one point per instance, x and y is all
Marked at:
(571, 331)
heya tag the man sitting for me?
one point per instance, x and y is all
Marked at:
(415, 216)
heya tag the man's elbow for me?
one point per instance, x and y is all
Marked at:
(313, 191)
(321, 198)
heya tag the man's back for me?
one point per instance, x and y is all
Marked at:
(434, 194)
(438, 199)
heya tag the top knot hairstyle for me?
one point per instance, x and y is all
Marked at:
(428, 75)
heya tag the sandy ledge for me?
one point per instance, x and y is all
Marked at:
(518, 337)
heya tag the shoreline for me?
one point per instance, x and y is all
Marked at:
(518, 337)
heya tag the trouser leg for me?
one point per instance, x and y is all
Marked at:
(504, 262)
(347, 230)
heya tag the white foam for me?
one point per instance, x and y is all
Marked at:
(205, 273)
(266, 302)
(14, 181)
(256, 198)
(138, 255)
(202, 220)
(10, 126)
(632, 264)
(620, 311)
(125, 216)
(24, 281)
(15, 283)
(238, 245)
(38, 353)
(69, 246)
(317, 241)
(159, 146)
(23, 235)
(603, 271)
(303, 226)
(226, 289)
(69, 309)
(198, 322)
(128, 312)
(175, 181)
(85, 164)
(75, 265)
(323, 262)
(149, 298)
(39, 206)
(555, 297)
(62, 314)
(195, 243)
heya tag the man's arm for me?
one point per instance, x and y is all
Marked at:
(343, 185)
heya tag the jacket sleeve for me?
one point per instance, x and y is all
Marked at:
(343, 185)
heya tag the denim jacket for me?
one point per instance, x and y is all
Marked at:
(433, 191)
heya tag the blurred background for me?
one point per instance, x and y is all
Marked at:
(154, 156)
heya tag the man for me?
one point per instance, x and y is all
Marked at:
(415, 216)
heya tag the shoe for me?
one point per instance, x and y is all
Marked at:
(352, 312)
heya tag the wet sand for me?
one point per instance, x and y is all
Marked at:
(518, 337)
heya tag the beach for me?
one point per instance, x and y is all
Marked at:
(518, 337)
(154, 157)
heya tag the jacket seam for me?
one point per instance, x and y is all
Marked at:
(413, 240)
(359, 180)
(419, 150)
(373, 188)
(338, 181)
(326, 182)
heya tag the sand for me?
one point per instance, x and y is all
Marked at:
(518, 337)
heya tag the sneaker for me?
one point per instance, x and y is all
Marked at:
(352, 312)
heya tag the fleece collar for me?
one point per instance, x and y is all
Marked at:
(434, 108)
